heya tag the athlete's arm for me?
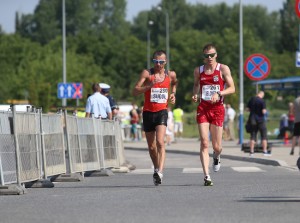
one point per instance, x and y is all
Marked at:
(196, 84)
(140, 86)
(174, 83)
(226, 74)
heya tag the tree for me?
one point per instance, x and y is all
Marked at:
(89, 16)
(289, 27)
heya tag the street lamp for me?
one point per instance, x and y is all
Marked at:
(167, 36)
(241, 78)
(64, 100)
(150, 23)
(167, 40)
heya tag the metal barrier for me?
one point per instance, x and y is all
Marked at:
(35, 146)
(52, 144)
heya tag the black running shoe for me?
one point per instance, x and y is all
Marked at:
(157, 178)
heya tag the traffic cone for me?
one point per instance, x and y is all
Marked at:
(286, 139)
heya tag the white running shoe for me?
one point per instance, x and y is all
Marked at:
(207, 181)
(217, 163)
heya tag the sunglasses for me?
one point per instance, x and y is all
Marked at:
(211, 55)
(159, 61)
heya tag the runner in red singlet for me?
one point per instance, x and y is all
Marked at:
(158, 86)
(210, 80)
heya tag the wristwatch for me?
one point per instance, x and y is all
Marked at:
(219, 93)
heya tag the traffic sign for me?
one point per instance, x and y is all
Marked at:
(69, 90)
(297, 8)
(257, 67)
(298, 59)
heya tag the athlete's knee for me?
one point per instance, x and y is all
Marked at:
(217, 148)
(204, 144)
(160, 143)
(152, 148)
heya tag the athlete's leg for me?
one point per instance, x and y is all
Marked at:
(216, 138)
(160, 144)
(150, 137)
(204, 140)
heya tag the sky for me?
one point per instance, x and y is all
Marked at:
(8, 8)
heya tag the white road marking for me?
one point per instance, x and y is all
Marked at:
(247, 169)
(142, 171)
(192, 170)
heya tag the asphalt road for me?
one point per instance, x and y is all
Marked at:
(242, 192)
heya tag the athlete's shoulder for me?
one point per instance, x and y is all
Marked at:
(199, 69)
(223, 67)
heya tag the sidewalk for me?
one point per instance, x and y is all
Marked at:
(280, 155)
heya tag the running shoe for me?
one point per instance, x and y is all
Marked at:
(207, 181)
(217, 163)
(157, 178)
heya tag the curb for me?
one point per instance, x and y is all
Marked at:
(232, 157)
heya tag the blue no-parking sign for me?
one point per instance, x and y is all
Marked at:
(297, 8)
(69, 90)
(257, 67)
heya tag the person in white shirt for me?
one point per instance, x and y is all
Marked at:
(170, 127)
(230, 116)
(98, 105)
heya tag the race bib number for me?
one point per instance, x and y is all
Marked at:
(159, 95)
(208, 91)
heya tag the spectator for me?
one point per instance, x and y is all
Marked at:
(225, 125)
(230, 116)
(283, 126)
(178, 122)
(135, 107)
(291, 117)
(170, 126)
(134, 121)
(257, 108)
(98, 105)
(105, 89)
(296, 135)
(142, 123)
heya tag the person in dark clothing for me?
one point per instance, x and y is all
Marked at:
(257, 108)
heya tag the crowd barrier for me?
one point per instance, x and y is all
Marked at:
(36, 146)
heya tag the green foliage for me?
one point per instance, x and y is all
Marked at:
(103, 47)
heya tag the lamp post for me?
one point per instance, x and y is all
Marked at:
(167, 40)
(64, 101)
(241, 77)
(167, 36)
(150, 23)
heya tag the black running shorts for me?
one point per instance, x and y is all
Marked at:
(153, 119)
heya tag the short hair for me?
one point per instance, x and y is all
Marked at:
(95, 87)
(209, 46)
(159, 53)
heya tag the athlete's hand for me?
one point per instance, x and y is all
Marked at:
(172, 98)
(215, 98)
(195, 98)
